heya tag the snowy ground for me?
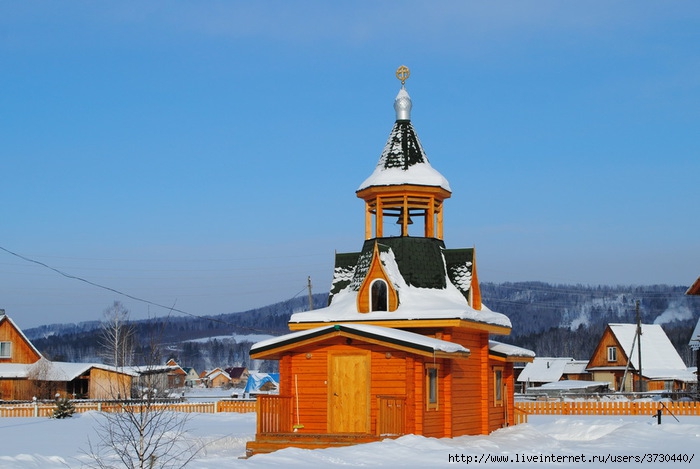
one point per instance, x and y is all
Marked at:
(47, 444)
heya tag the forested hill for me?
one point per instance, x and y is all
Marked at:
(552, 320)
(202, 342)
(568, 320)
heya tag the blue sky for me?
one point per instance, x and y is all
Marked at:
(205, 155)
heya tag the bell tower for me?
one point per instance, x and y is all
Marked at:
(404, 186)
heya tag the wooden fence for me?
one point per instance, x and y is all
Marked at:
(607, 408)
(42, 409)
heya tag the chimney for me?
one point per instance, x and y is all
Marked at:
(2, 312)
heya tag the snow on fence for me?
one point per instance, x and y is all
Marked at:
(608, 408)
(46, 409)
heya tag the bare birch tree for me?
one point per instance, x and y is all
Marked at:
(145, 432)
(116, 336)
(40, 374)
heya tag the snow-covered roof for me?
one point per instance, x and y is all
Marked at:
(695, 337)
(421, 175)
(417, 303)
(575, 367)
(448, 302)
(510, 350)
(391, 335)
(218, 372)
(70, 371)
(13, 370)
(545, 370)
(659, 356)
(664, 374)
(403, 160)
(573, 384)
(151, 369)
(47, 370)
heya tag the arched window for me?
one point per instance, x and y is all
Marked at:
(379, 297)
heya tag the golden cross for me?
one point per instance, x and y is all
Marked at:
(402, 73)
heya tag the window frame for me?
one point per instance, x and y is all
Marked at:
(5, 345)
(612, 353)
(498, 375)
(432, 386)
(374, 303)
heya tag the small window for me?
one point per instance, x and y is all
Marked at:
(498, 386)
(431, 386)
(379, 300)
(612, 354)
(5, 349)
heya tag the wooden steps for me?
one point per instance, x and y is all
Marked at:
(270, 442)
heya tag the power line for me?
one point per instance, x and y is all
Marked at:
(135, 298)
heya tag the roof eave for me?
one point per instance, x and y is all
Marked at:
(276, 350)
(371, 190)
(411, 324)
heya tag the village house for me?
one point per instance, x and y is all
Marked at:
(404, 345)
(616, 360)
(191, 377)
(239, 376)
(25, 373)
(544, 370)
(217, 378)
(159, 380)
(694, 342)
(555, 376)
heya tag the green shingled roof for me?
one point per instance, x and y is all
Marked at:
(403, 149)
(422, 262)
(460, 267)
(343, 272)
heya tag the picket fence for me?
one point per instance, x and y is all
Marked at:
(649, 408)
(522, 409)
(41, 409)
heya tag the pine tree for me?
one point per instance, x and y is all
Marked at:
(64, 408)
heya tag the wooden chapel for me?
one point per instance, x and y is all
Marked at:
(403, 346)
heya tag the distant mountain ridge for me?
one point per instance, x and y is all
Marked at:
(552, 320)
(568, 320)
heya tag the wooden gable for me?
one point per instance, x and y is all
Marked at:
(601, 357)
(20, 349)
(694, 288)
(376, 272)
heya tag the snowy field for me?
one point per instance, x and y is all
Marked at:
(48, 444)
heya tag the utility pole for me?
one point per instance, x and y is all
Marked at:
(311, 298)
(639, 348)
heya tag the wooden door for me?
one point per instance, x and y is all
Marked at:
(348, 392)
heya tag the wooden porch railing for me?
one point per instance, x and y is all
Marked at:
(391, 419)
(274, 414)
